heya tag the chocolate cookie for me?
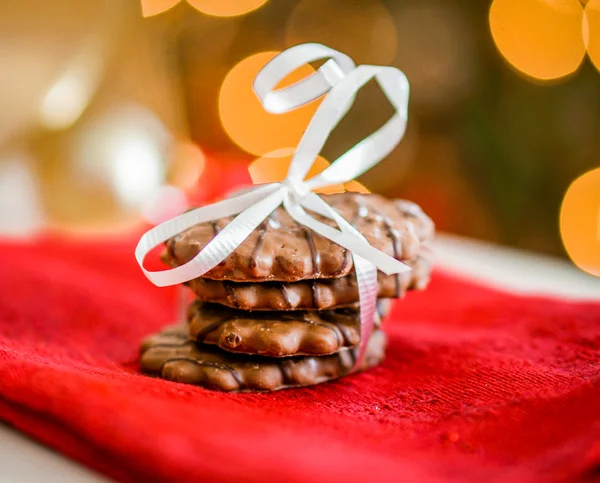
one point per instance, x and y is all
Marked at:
(172, 356)
(278, 334)
(280, 249)
(316, 294)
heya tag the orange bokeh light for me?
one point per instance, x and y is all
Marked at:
(580, 222)
(226, 8)
(363, 29)
(356, 187)
(274, 167)
(216, 8)
(154, 7)
(541, 38)
(592, 12)
(244, 118)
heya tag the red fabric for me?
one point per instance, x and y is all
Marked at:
(478, 385)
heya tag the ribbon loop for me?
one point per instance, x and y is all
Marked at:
(306, 90)
(371, 150)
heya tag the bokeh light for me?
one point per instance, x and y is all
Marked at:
(166, 203)
(356, 187)
(226, 8)
(244, 118)
(274, 166)
(126, 148)
(580, 222)
(592, 13)
(154, 7)
(186, 164)
(541, 38)
(17, 182)
(363, 29)
(68, 97)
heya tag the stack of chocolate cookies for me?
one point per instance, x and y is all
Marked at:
(282, 310)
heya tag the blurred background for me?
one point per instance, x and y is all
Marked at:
(117, 113)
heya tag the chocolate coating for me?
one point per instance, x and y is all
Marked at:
(278, 334)
(316, 294)
(280, 249)
(172, 356)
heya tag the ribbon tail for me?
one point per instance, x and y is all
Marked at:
(348, 236)
(366, 276)
(220, 246)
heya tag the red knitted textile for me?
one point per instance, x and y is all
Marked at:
(478, 385)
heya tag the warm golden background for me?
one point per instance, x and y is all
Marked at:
(113, 112)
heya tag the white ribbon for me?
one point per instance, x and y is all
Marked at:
(340, 79)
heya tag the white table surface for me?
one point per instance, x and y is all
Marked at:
(25, 461)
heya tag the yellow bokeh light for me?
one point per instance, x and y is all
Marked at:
(541, 38)
(274, 166)
(592, 12)
(226, 8)
(154, 7)
(363, 29)
(580, 222)
(244, 118)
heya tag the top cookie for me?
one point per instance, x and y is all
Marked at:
(281, 249)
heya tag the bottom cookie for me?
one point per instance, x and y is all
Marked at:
(170, 355)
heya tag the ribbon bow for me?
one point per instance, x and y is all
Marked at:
(340, 79)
